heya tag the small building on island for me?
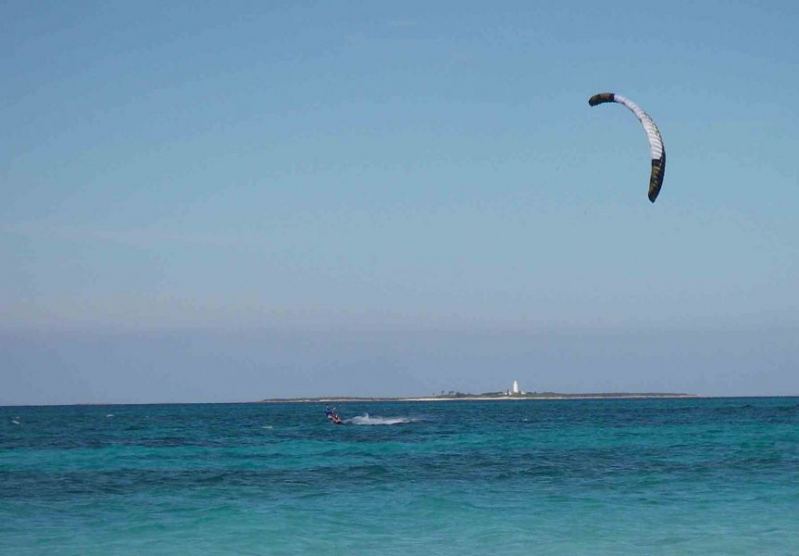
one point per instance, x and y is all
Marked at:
(515, 390)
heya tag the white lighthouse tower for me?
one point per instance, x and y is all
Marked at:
(515, 390)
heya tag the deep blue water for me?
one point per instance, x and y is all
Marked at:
(689, 476)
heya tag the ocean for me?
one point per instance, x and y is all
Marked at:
(648, 476)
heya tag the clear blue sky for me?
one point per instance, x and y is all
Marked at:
(211, 203)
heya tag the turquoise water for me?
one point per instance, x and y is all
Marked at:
(692, 476)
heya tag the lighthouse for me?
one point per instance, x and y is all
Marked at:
(515, 390)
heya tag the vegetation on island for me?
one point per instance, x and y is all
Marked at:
(487, 396)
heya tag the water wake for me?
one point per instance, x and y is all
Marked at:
(367, 419)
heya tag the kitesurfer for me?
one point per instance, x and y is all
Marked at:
(332, 415)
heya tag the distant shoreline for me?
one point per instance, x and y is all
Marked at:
(485, 397)
(342, 399)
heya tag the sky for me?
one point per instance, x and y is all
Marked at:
(208, 202)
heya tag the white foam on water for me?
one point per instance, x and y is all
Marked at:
(15, 421)
(367, 419)
(110, 415)
(267, 427)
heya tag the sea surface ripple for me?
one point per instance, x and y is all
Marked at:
(652, 476)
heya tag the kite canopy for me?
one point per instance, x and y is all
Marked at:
(656, 149)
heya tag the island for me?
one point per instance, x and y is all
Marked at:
(513, 393)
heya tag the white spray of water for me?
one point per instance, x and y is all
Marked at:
(367, 419)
